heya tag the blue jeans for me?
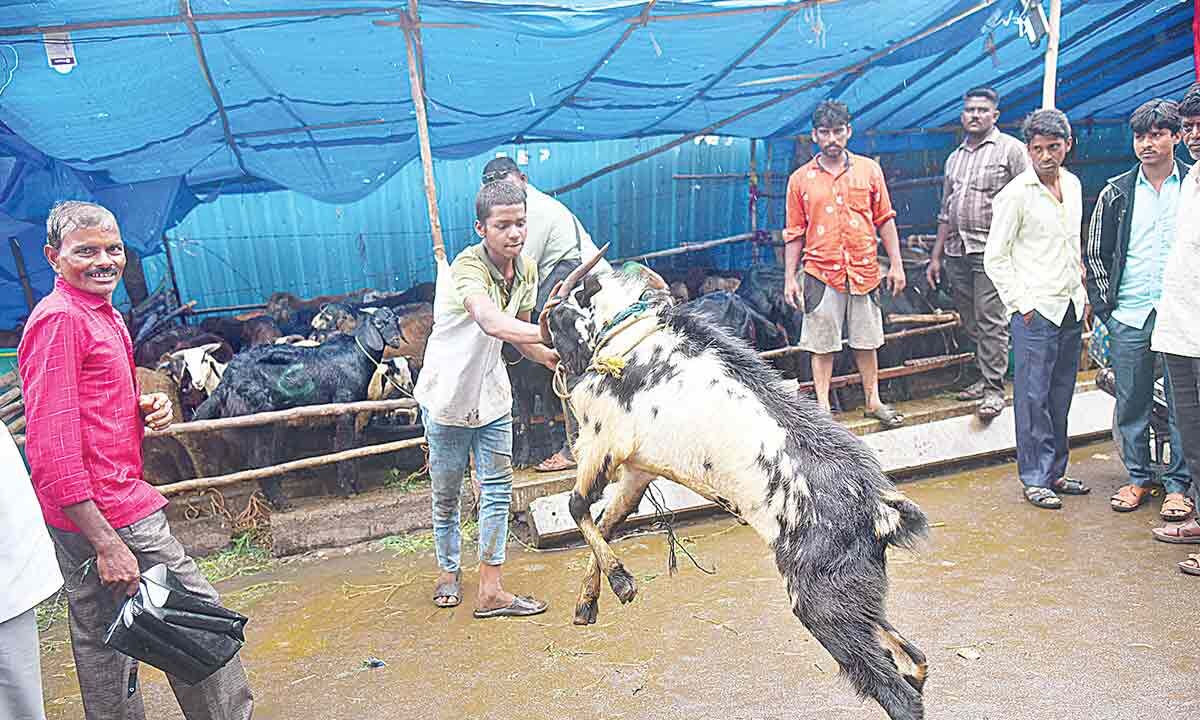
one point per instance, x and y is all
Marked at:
(1046, 359)
(1133, 364)
(450, 447)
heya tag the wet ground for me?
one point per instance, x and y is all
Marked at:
(1025, 614)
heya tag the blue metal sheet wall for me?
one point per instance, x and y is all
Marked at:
(240, 248)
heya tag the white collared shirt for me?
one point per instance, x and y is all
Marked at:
(28, 569)
(1033, 254)
(1177, 328)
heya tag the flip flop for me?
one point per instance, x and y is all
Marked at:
(886, 415)
(521, 606)
(1185, 534)
(555, 463)
(1043, 498)
(1191, 566)
(449, 590)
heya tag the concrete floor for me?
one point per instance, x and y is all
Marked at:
(1025, 614)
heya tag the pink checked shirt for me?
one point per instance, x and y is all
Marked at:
(83, 437)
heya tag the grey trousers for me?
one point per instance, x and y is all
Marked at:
(983, 316)
(104, 674)
(20, 669)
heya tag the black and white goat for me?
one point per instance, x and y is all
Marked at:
(657, 388)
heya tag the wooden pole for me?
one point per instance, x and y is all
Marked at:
(228, 308)
(291, 415)
(19, 259)
(889, 337)
(208, 483)
(912, 367)
(135, 277)
(753, 195)
(166, 241)
(416, 87)
(688, 248)
(1050, 79)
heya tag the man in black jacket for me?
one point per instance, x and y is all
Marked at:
(1131, 233)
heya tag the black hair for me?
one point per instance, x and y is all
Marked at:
(1155, 114)
(496, 194)
(1047, 122)
(498, 169)
(830, 114)
(1189, 106)
(983, 92)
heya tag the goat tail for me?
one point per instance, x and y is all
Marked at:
(898, 520)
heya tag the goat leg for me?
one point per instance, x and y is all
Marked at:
(347, 470)
(594, 472)
(260, 456)
(629, 491)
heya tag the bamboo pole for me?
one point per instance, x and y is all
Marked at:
(216, 481)
(229, 308)
(10, 410)
(912, 367)
(417, 89)
(938, 317)
(19, 260)
(1050, 79)
(889, 337)
(688, 248)
(289, 416)
(9, 378)
(9, 396)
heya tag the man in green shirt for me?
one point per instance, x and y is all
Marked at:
(483, 300)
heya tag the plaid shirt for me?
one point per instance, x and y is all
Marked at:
(84, 431)
(972, 179)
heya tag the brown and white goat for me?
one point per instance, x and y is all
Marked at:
(660, 390)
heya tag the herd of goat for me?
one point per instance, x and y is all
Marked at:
(331, 348)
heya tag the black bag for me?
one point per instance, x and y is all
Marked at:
(174, 630)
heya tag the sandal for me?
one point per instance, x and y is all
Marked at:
(1043, 498)
(555, 463)
(991, 407)
(1128, 498)
(1070, 486)
(1186, 534)
(1191, 566)
(521, 606)
(1176, 507)
(886, 415)
(449, 594)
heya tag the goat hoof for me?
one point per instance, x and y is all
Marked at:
(586, 612)
(622, 584)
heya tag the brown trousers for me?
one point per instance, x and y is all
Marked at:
(983, 316)
(104, 674)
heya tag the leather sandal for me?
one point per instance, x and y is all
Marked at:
(1191, 566)
(1069, 486)
(1187, 533)
(1176, 507)
(1128, 498)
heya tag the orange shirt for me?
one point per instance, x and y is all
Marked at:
(836, 215)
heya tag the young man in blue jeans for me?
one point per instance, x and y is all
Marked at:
(1131, 234)
(1033, 258)
(483, 300)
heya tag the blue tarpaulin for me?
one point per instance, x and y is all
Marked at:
(161, 109)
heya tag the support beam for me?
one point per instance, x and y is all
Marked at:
(792, 7)
(688, 248)
(816, 82)
(291, 416)
(185, 9)
(1050, 79)
(22, 275)
(416, 87)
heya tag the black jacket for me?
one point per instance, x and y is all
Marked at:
(1108, 239)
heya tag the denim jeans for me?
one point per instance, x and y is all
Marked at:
(1046, 359)
(1185, 386)
(1133, 364)
(450, 447)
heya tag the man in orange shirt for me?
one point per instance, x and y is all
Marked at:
(835, 204)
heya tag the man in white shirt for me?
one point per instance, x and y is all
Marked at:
(1177, 333)
(483, 300)
(28, 575)
(1033, 257)
(556, 243)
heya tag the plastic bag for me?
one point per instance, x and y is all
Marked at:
(174, 630)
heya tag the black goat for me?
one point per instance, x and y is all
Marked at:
(276, 377)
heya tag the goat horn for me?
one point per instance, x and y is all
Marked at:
(577, 274)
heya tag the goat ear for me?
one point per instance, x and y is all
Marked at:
(372, 338)
(591, 286)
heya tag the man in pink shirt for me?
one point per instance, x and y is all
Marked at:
(84, 433)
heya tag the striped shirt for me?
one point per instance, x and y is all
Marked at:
(972, 179)
(84, 431)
